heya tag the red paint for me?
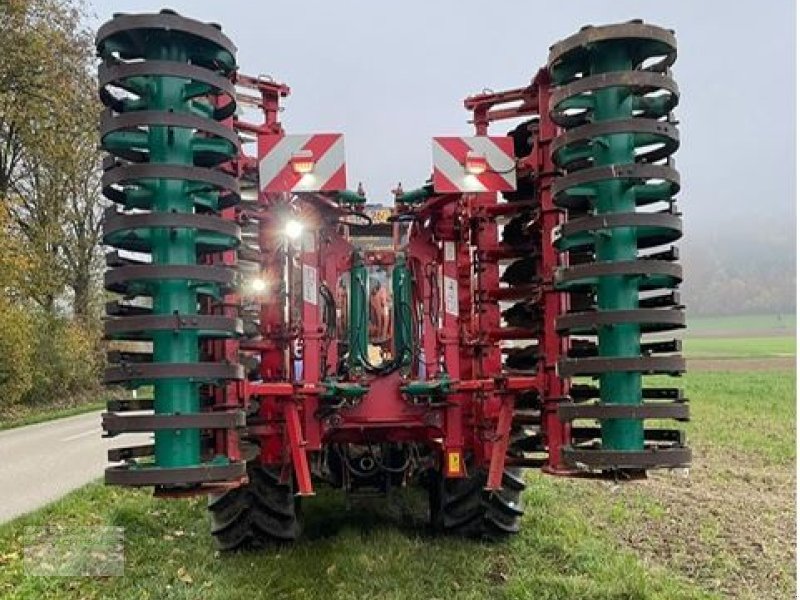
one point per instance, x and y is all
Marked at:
(455, 238)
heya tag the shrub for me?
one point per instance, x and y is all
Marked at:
(17, 332)
(66, 363)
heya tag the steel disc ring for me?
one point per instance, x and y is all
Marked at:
(133, 232)
(129, 35)
(669, 183)
(649, 320)
(112, 124)
(640, 83)
(652, 229)
(646, 132)
(142, 327)
(118, 74)
(643, 41)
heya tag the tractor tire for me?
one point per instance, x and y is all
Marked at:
(462, 507)
(260, 513)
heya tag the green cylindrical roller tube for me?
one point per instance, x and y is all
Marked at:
(359, 317)
(613, 97)
(165, 136)
(402, 309)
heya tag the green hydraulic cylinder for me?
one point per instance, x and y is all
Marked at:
(351, 198)
(403, 311)
(415, 196)
(359, 316)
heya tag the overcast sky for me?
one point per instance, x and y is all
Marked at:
(391, 75)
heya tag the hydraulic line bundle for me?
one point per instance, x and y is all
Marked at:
(294, 334)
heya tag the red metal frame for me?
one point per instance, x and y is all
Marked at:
(533, 101)
(454, 240)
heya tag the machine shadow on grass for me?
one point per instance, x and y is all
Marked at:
(329, 514)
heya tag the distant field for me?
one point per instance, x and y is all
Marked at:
(740, 347)
(742, 325)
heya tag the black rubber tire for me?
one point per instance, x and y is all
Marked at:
(261, 513)
(464, 508)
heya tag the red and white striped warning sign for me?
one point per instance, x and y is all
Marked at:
(303, 163)
(473, 164)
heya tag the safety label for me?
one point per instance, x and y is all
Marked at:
(309, 284)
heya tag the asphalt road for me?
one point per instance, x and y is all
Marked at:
(42, 462)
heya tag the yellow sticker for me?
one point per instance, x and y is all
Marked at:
(454, 462)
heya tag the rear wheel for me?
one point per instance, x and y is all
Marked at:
(463, 507)
(260, 513)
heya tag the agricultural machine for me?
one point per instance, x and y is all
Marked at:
(488, 321)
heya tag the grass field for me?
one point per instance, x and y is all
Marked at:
(740, 347)
(28, 416)
(738, 325)
(724, 530)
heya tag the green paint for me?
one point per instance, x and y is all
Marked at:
(350, 197)
(434, 387)
(173, 146)
(173, 448)
(616, 292)
(359, 317)
(339, 390)
(415, 196)
(403, 311)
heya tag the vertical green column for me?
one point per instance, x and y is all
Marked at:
(173, 448)
(615, 292)
(402, 308)
(613, 98)
(359, 317)
(166, 83)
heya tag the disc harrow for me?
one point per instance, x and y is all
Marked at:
(501, 316)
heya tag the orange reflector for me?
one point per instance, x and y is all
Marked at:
(453, 463)
(302, 162)
(475, 163)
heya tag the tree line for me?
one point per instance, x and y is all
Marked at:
(50, 206)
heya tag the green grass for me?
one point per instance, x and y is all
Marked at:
(786, 324)
(356, 554)
(740, 347)
(745, 412)
(569, 547)
(40, 414)
(19, 416)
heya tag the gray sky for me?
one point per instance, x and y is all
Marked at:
(391, 75)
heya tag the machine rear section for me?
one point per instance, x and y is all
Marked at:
(296, 335)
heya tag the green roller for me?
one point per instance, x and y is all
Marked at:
(617, 292)
(164, 132)
(612, 97)
(176, 448)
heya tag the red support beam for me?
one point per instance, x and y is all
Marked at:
(556, 433)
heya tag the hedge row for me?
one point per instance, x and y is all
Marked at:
(46, 360)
